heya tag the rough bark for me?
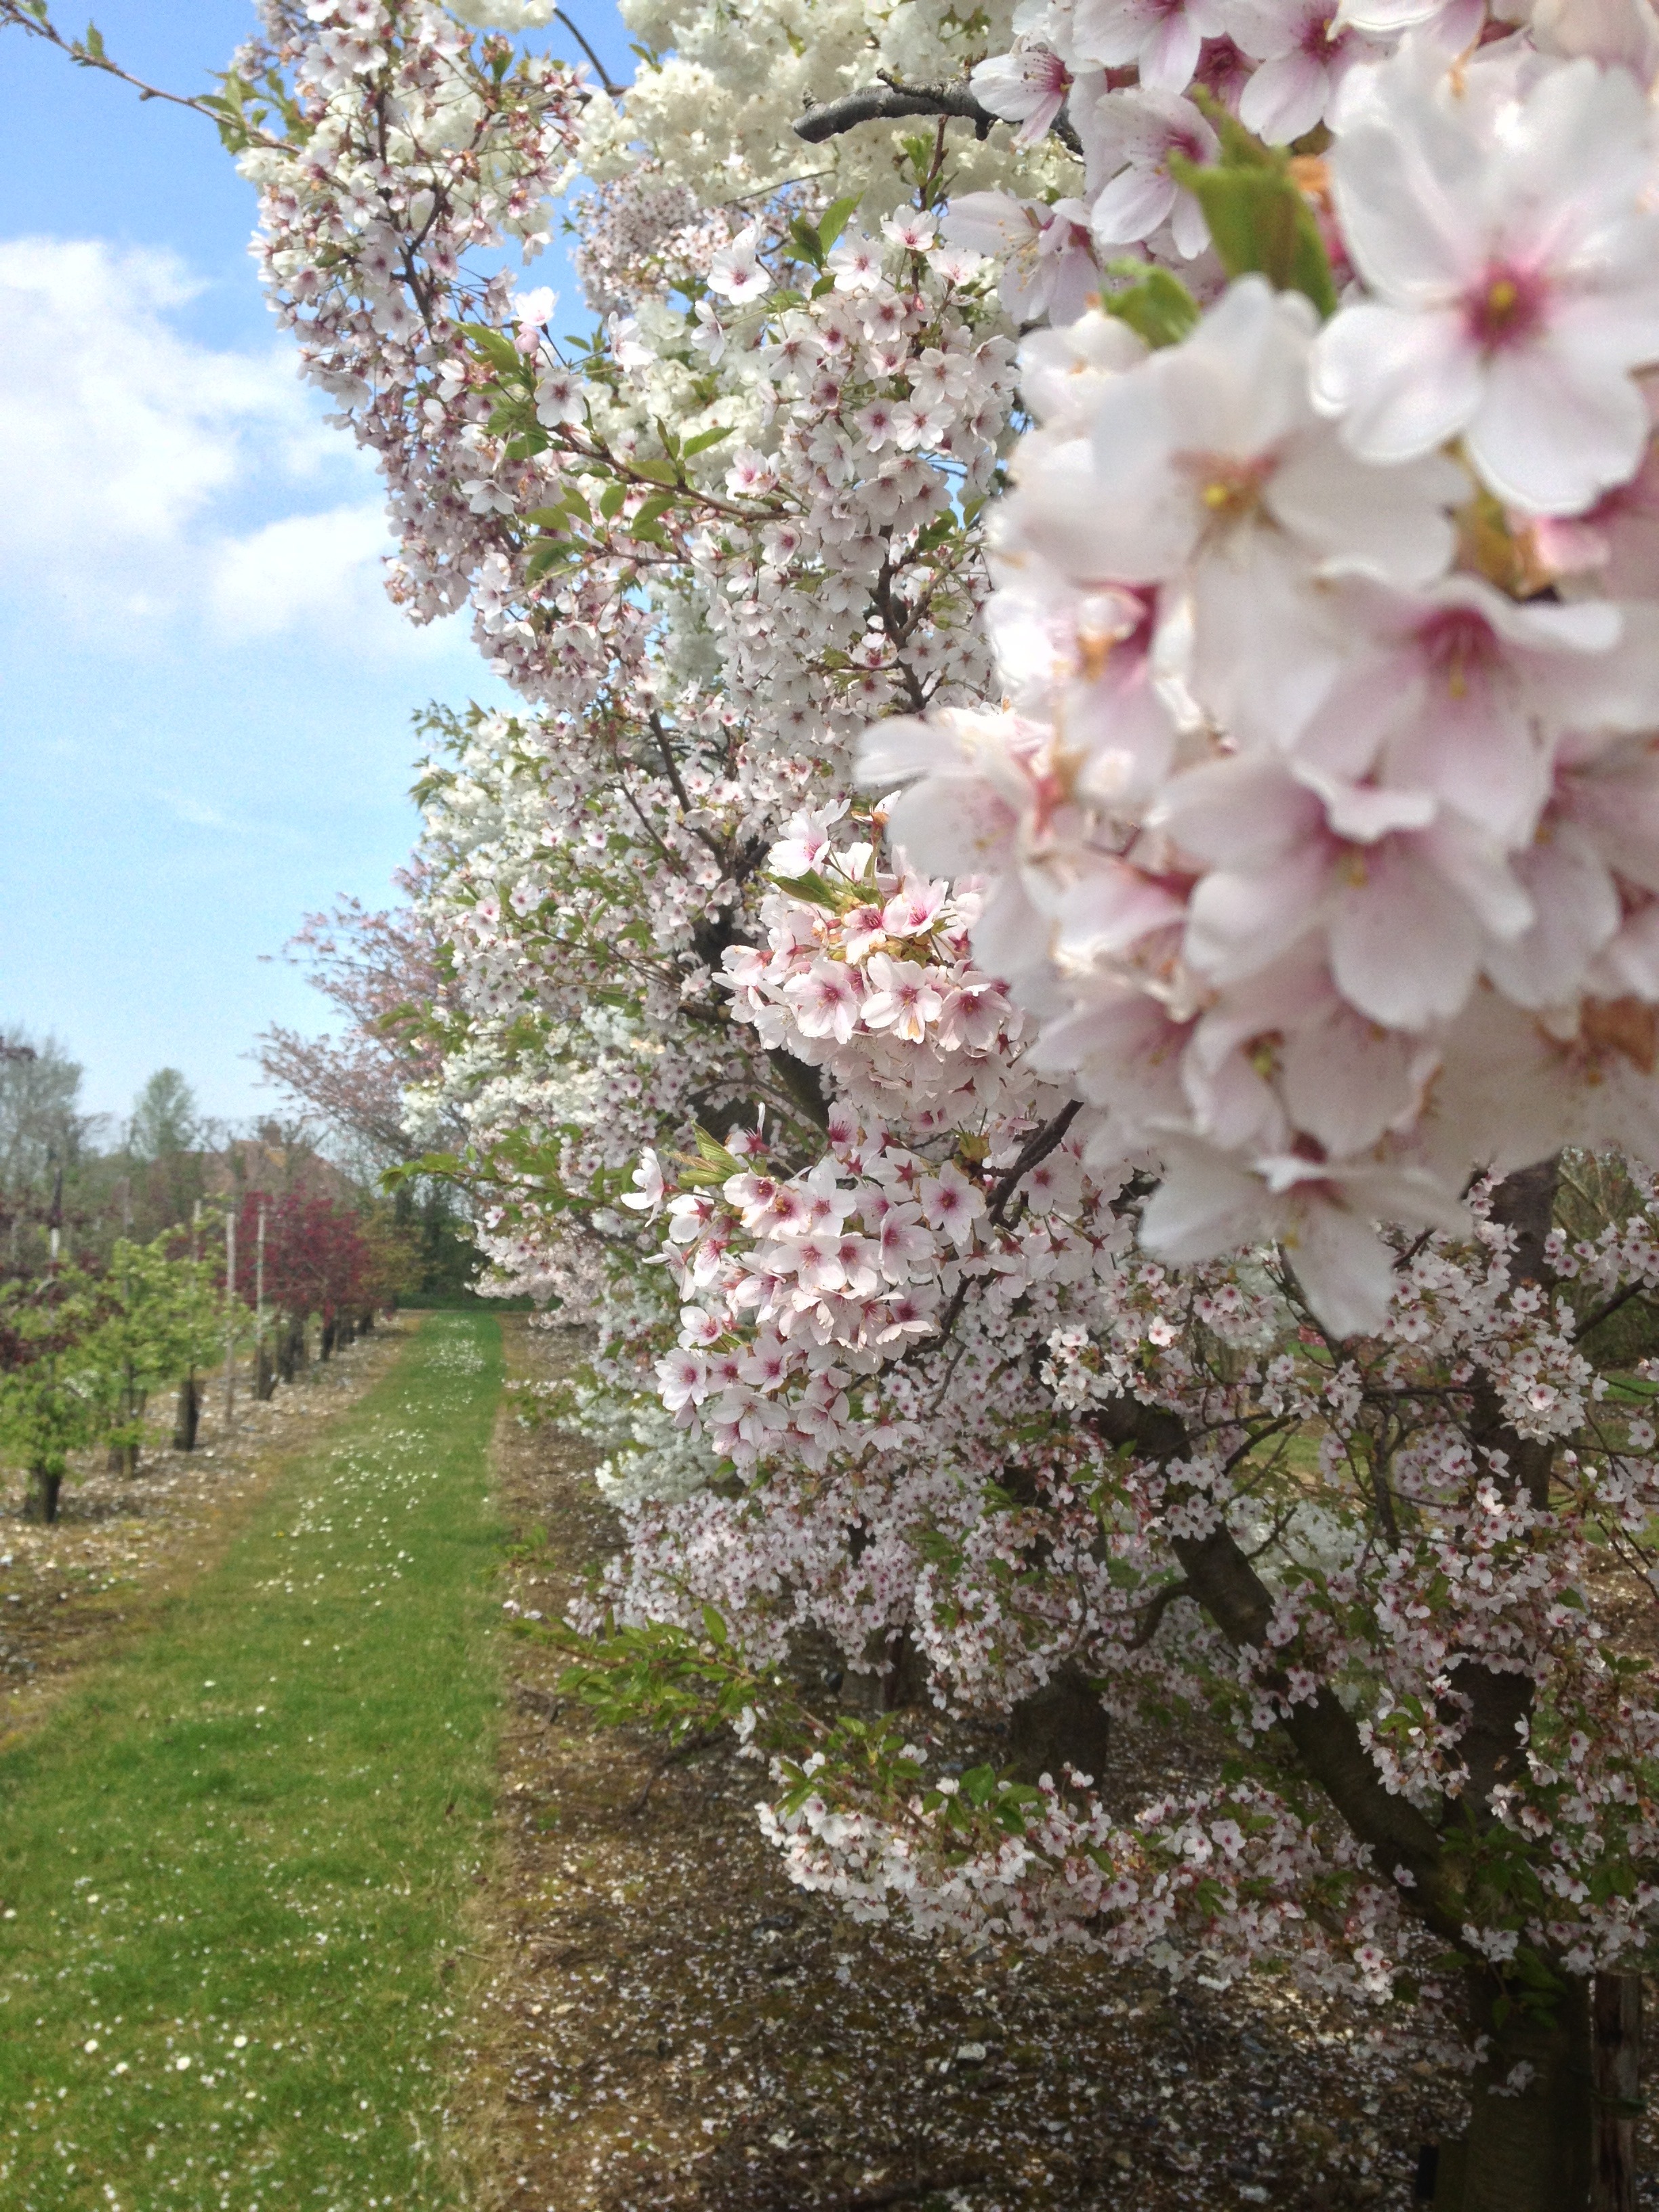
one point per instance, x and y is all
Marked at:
(892, 102)
(41, 1504)
(1616, 2015)
(889, 103)
(187, 1418)
(1064, 1724)
(1564, 2140)
(1530, 2152)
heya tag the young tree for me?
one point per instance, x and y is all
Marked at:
(1086, 792)
(158, 1317)
(49, 1397)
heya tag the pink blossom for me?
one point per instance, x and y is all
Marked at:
(902, 998)
(737, 272)
(1515, 273)
(1027, 86)
(1304, 52)
(1128, 137)
(1160, 38)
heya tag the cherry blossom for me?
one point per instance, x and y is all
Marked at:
(1505, 238)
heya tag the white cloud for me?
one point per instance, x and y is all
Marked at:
(303, 569)
(142, 470)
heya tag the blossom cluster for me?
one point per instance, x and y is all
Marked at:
(1319, 823)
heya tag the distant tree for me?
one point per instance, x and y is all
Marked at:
(383, 973)
(44, 1142)
(386, 976)
(166, 1118)
(323, 1259)
(161, 1163)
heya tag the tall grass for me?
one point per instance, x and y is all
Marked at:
(237, 1857)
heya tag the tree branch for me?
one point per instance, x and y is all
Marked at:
(615, 90)
(1323, 1733)
(86, 53)
(890, 102)
(887, 103)
(1036, 1149)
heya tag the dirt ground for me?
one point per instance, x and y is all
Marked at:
(120, 1546)
(660, 2021)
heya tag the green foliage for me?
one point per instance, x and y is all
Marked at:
(1156, 305)
(1258, 217)
(813, 240)
(49, 1399)
(159, 1315)
(165, 1117)
(83, 1354)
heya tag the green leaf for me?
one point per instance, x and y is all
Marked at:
(1259, 221)
(813, 890)
(712, 1150)
(497, 349)
(804, 237)
(705, 439)
(552, 553)
(713, 1626)
(1158, 306)
(611, 500)
(835, 220)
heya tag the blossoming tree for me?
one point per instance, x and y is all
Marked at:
(1080, 847)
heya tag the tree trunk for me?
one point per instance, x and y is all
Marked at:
(1530, 2152)
(188, 1417)
(1617, 2012)
(41, 1504)
(325, 1339)
(1063, 1724)
(265, 1374)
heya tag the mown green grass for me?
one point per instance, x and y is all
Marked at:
(237, 1855)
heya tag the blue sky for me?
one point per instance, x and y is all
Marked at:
(205, 699)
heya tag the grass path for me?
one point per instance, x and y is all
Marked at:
(233, 1861)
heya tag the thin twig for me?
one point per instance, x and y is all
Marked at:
(615, 90)
(41, 26)
(1036, 1149)
(1156, 1607)
(705, 1740)
(1606, 1311)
